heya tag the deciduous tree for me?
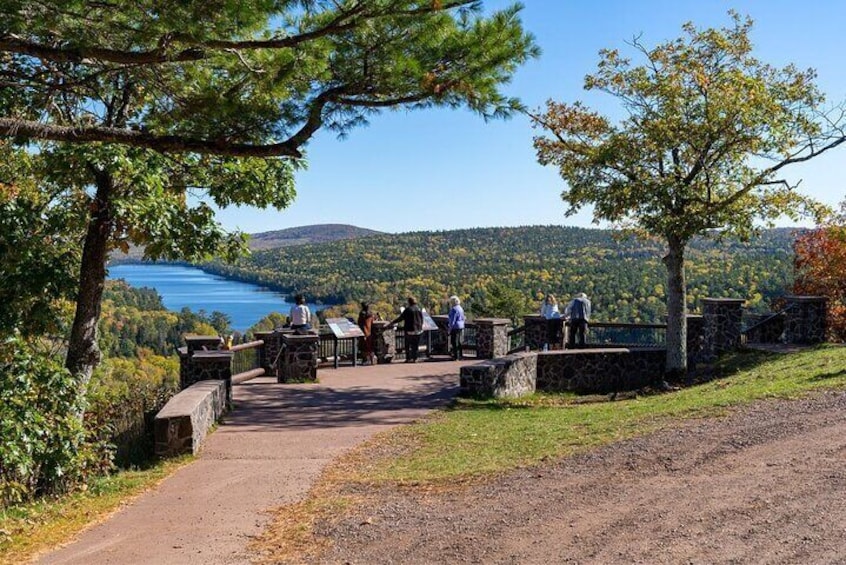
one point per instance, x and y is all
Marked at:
(706, 134)
(135, 106)
(820, 265)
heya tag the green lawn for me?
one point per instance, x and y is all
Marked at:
(28, 529)
(475, 438)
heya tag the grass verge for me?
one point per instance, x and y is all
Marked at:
(29, 529)
(478, 438)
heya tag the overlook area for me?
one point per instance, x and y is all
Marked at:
(595, 311)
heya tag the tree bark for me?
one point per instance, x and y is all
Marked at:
(83, 351)
(676, 309)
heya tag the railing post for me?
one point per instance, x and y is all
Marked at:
(491, 337)
(535, 335)
(384, 341)
(806, 319)
(271, 359)
(721, 324)
(299, 358)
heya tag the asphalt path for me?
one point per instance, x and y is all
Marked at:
(268, 452)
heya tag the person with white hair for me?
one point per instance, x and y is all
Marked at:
(456, 328)
(578, 314)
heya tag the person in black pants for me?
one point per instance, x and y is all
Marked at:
(578, 312)
(412, 324)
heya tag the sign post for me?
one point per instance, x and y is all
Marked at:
(343, 328)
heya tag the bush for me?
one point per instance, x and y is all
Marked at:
(123, 399)
(42, 439)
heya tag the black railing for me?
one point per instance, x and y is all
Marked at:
(337, 349)
(517, 340)
(602, 334)
(766, 328)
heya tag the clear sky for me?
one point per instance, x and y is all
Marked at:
(448, 169)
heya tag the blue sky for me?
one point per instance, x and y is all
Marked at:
(447, 169)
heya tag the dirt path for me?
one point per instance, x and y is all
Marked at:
(268, 453)
(765, 485)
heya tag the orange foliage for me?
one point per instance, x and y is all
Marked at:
(821, 271)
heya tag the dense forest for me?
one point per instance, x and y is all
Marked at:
(623, 276)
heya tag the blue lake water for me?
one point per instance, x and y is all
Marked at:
(181, 286)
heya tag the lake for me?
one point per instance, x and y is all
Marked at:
(181, 286)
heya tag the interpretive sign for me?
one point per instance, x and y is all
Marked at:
(342, 328)
(428, 323)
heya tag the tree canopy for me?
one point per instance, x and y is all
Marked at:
(707, 132)
(149, 112)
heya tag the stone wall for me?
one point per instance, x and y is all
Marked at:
(592, 371)
(504, 377)
(535, 332)
(269, 354)
(182, 425)
(806, 319)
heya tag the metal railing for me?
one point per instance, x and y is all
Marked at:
(246, 361)
(603, 334)
(337, 349)
(767, 328)
(517, 340)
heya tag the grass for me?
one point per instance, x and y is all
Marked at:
(28, 529)
(473, 439)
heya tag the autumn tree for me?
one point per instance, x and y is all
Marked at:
(148, 112)
(706, 132)
(820, 265)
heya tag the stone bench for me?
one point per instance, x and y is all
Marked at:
(503, 377)
(182, 425)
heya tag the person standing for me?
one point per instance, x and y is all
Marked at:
(456, 328)
(365, 322)
(300, 315)
(549, 310)
(412, 324)
(578, 312)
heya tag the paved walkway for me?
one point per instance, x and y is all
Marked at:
(267, 453)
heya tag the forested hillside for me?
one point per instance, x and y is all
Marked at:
(624, 277)
(307, 234)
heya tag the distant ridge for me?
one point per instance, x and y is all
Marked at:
(320, 233)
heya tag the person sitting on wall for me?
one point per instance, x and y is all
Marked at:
(456, 328)
(578, 312)
(549, 310)
(300, 315)
(412, 319)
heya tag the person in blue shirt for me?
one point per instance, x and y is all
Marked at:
(456, 328)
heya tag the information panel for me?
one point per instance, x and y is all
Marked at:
(428, 323)
(342, 328)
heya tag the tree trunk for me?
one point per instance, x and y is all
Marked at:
(676, 309)
(83, 351)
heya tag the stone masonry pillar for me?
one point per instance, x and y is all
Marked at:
(721, 324)
(384, 341)
(535, 332)
(806, 319)
(213, 365)
(491, 337)
(269, 356)
(695, 338)
(299, 358)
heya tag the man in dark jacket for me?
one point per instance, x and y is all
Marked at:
(412, 325)
(578, 312)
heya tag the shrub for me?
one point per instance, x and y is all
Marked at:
(42, 439)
